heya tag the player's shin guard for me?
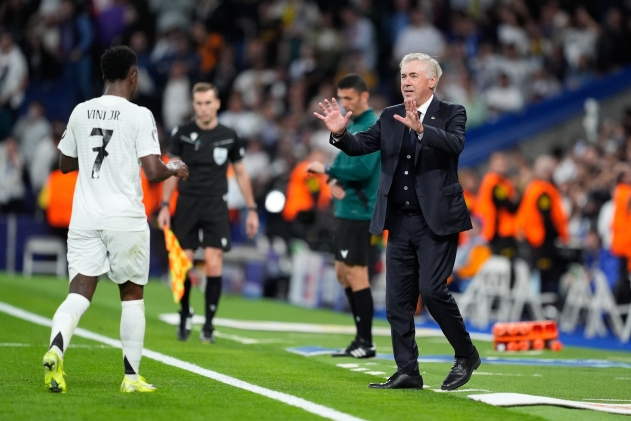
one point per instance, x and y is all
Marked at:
(213, 292)
(65, 321)
(132, 336)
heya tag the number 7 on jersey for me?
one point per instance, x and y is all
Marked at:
(100, 150)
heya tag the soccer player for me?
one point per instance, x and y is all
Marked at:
(109, 137)
(201, 205)
(354, 189)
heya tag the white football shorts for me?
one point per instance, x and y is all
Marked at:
(123, 255)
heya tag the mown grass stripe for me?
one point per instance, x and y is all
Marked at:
(314, 408)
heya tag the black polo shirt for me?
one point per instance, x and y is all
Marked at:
(207, 154)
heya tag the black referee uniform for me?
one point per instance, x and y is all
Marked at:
(201, 204)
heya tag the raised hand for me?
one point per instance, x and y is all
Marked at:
(411, 119)
(332, 117)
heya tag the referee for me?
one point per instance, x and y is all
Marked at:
(201, 204)
(354, 183)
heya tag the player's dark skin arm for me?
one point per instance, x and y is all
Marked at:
(68, 164)
(156, 170)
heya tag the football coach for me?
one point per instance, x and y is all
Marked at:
(421, 204)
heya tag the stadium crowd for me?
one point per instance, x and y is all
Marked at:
(272, 61)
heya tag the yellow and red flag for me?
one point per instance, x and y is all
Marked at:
(178, 264)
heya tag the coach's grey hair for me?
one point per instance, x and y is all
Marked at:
(432, 68)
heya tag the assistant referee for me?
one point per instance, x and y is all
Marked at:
(207, 147)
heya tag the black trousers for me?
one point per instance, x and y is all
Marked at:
(419, 261)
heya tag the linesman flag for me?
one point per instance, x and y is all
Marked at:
(178, 264)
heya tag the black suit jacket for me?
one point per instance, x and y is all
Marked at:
(436, 164)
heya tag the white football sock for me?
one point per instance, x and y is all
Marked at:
(132, 336)
(65, 321)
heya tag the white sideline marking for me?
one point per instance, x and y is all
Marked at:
(14, 345)
(243, 340)
(301, 403)
(376, 373)
(174, 319)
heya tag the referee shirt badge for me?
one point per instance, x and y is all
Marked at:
(220, 155)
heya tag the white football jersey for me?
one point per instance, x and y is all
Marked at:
(109, 135)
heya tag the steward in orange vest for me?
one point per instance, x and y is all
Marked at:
(306, 191)
(56, 198)
(541, 220)
(496, 206)
(621, 234)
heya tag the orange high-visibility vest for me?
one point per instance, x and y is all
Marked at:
(152, 193)
(60, 193)
(541, 196)
(621, 224)
(301, 189)
(493, 219)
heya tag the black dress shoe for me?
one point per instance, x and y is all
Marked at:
(461, 371)
(400, 381)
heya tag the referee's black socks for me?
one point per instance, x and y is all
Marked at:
(363, 313)
(351, 303)
(213, 292)
(185, 300)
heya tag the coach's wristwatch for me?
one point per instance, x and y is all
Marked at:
(165, 205)
(253, 207)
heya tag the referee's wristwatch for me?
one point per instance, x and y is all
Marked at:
(165, 205)
(253, 208)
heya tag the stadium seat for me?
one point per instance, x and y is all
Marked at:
(577, 298)
(596, 298)
(49, 247)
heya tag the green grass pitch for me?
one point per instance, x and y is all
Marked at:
(94, 370)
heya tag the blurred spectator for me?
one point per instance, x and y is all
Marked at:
(504, 97)
(147, 92)
(580, 75)
(14, 16)
(496, 206)
(510, 32)
(328, 41)
(56, 199)
(31, 129)
(45, 157)
(253, 82)
(306, 193)
(224, 72)
(359, 35)
(13, 82)
(208, 48)
(75, 47)
(396, 21)
(541, 221)
(177, 104)
(595, 256)
(246, 123)
(542, 86)
(11, 175)
(470, 257)
(42, 63)
(579, 39)
(614, 42)
(420, 36)
(257, 164)
(172, 14)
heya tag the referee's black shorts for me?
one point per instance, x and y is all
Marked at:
(352, 242)
(208, 214)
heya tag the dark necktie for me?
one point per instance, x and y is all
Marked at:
(413, 135)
